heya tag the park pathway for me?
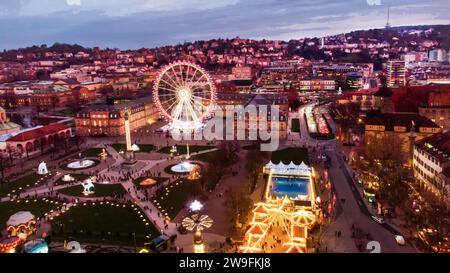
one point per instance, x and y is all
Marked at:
(150, 210)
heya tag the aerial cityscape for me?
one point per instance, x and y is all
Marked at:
(200, 127)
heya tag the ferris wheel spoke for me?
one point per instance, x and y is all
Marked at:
(175, 84)
(183, 81)
(168, 89)
(188, 71)
(177, 79)
(198, 80)
(198, 107)
(169, 84)
(168, 100)
(177, 111)
(193, 75)
(199, 98)
(192, 111)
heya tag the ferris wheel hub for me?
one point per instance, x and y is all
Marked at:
(184, 93)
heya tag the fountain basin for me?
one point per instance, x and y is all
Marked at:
(81, 164)
(183, 167)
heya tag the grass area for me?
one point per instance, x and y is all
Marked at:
(144, 148)
(100, 190)
(93, 152)
(320, 136)
(159, 180)
(206, 157)
(38, 208)
(174, 197)
(77, 176)
(67, 111)
(182, 149)
(107, 223)
(297, 155)
(22, 183)
(295, 125)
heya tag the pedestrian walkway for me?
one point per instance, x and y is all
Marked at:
(150, 210)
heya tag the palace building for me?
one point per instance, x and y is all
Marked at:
(108, 119)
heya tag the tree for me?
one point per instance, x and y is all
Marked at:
(383, 153)
(254, 165)
(437, 218)
(394, 187)
(239, 205)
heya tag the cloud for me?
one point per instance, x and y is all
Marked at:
(147, 23)
(73, 2)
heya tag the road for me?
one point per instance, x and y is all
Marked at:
(350, 209)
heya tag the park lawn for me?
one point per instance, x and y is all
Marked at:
(205, 157)
(295, 124)
(67, 111)
(38, 208)
(77, 176)
(100, 190)
(22, 183)
(182, 149)
(104, 222)
(177, 197)
(159, 180)
(320, 136)
(144, 148)
(297, 155)
(93, 152)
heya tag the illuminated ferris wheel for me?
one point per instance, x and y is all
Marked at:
(184, 94)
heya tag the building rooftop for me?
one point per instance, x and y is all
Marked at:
(437, 145)
(390, 120)
(38, 132)
(384, 92)
(133, 102)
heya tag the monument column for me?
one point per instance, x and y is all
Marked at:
(127, 131)
(129, 154)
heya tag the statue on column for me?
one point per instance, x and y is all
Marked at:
(129, 153)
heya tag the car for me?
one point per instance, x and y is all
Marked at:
(378, 219)
(400, 240)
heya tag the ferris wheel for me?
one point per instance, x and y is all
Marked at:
(184, 94)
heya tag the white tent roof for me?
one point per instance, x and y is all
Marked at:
(291, 168)
(21, 217)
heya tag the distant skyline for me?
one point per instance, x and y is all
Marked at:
(134, 24)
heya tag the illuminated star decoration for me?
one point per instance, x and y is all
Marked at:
(196, 206)
(196, 222)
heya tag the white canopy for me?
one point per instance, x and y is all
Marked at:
(21, 217)
(289, 169)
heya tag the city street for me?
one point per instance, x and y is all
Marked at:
(351, 210)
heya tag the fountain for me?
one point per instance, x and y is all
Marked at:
(81, 164)
(183, 167)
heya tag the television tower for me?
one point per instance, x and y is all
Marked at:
(388, 25)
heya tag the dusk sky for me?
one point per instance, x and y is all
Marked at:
(131, 24)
